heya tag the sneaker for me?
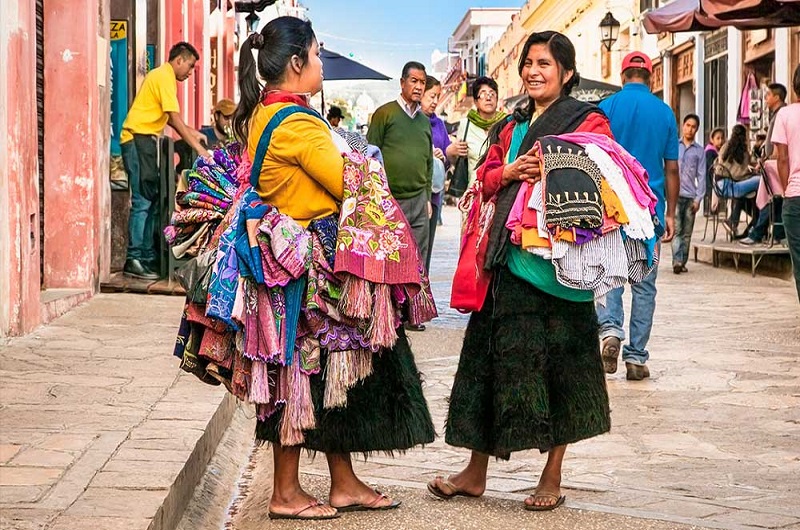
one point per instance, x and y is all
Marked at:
(135, 269)
(610, 352)
(748, 241)
(677, 269)
(636, 372)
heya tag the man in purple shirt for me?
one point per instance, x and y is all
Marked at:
(692, 169)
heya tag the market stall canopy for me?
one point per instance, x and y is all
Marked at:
(587, 90)
(694, 15)
(788, 10)
(337, 67)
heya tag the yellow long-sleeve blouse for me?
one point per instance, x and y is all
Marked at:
(301, 174)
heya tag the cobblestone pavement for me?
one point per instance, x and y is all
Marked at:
(710, 440)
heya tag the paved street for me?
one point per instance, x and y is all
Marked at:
(98, 428)
(710, 440)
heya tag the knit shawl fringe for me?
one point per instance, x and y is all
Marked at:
(298, 415)
(344, 370)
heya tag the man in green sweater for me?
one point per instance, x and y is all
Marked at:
(403, 133)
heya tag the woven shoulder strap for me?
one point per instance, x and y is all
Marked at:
(266, 136)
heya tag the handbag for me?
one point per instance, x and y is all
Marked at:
(195, 276)
(470, 281)
(459, 180)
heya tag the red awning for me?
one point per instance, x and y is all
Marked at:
(679, 16)
(749, 9)
(692, 15)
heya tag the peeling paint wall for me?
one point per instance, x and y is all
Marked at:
(19, 206)
(76, 172)
(76, 142)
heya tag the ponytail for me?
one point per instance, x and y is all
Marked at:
(249, 89)
(280, 40)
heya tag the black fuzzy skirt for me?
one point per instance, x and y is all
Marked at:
(530, 373)
(386, 412)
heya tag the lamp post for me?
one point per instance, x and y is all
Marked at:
(609, 30)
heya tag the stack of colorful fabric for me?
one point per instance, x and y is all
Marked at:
(205, 196)
(286, 301)
(592, 214)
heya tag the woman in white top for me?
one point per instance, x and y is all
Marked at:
(472, 130)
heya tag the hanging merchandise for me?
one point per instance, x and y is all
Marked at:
(750, 87)
(284, 301)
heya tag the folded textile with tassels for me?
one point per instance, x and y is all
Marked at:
(375, 250)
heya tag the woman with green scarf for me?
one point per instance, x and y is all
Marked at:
(473, 130)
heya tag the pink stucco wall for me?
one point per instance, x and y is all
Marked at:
(76, 143)
(19, 204)
(77, 194)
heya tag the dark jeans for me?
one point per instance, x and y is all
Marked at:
(684, 224)
(437, 212)
(141, 164)
(759, 230)
(416, 212)
(791, 222)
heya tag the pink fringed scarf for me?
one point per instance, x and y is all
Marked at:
(375, 249)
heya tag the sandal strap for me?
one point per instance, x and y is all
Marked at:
(378, 498)
(312, 504)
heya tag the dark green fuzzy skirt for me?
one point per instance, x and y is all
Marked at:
(530, 374)
(386, 412)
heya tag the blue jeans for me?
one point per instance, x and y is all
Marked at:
(143, 213)
(684, 224)
(611, 317)
(738, 189)
(791, 222)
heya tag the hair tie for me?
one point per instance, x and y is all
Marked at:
(256, 41)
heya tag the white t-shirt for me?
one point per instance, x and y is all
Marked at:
(787, 132)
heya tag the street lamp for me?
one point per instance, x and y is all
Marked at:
(252, 22)
(609, 30)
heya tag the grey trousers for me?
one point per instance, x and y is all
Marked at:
(416, 212)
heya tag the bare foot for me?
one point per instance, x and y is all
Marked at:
(359, 494)
(301, 501)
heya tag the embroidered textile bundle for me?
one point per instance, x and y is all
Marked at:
(592, 213)
(202, 200)
(286, 302)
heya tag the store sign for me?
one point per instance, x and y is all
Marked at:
(119, 29)
(214, 71)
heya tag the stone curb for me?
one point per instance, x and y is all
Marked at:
(182, 489)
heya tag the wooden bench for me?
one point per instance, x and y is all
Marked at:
(736, 250)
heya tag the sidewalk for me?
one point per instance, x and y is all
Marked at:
(99, 428)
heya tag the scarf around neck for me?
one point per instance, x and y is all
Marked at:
(562, 116)
(476, 119)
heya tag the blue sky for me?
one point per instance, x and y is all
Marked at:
(385, 34)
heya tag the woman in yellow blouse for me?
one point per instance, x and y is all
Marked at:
(302, 175)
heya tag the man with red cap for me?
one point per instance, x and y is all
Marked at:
(646, 127)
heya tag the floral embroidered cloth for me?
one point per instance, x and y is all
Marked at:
(375, 241)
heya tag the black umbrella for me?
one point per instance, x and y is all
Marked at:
(337, 67)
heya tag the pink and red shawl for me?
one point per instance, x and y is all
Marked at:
(375, 250)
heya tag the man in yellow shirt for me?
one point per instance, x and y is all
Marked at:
(155, 105)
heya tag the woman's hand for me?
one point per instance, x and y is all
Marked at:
(437, 153)
(525, 167)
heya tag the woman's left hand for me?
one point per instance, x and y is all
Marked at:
(438, 153)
